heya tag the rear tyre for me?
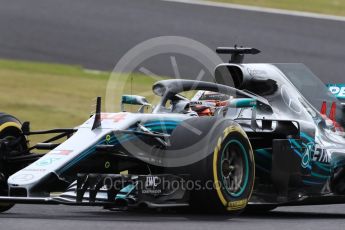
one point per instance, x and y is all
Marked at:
(10, 129)
(338, 181)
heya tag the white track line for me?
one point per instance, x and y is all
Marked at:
(261, 9)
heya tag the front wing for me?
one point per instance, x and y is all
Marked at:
(117, 191)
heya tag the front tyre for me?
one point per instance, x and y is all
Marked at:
(10, 129)
(233, 169)
(224, 177)
(230, 168)
(5, 207)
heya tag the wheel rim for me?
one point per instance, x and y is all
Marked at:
(234, 168)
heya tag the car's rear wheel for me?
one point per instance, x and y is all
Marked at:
(10, 130)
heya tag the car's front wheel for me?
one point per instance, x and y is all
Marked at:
(10, 130)
(224, 177)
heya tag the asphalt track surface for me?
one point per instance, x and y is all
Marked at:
(86, 218)
(96, 34)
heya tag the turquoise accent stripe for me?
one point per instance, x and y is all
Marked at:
(125, 192)
(317, 175)
(160, 124)
(298, 153)
(306, 136)
(305, 145)
(113, 141)
(87, 152)
(312, 182)
(295, 143)
(264, 152)
(322, 166)
(257, 166)
(160, 129)
(243, 102)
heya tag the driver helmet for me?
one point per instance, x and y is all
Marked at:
(214, 98)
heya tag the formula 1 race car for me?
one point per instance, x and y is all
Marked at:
(259, 137)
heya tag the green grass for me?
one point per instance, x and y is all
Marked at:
(334, 7)
(53, 95)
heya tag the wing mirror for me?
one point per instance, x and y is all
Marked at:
(242, 103)
(251, 103)
(134, 100)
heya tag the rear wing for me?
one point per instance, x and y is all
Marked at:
(338, 90)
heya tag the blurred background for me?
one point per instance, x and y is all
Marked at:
(57, 55)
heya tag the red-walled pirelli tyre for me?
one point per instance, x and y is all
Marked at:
(225, 176)
(10, 128)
